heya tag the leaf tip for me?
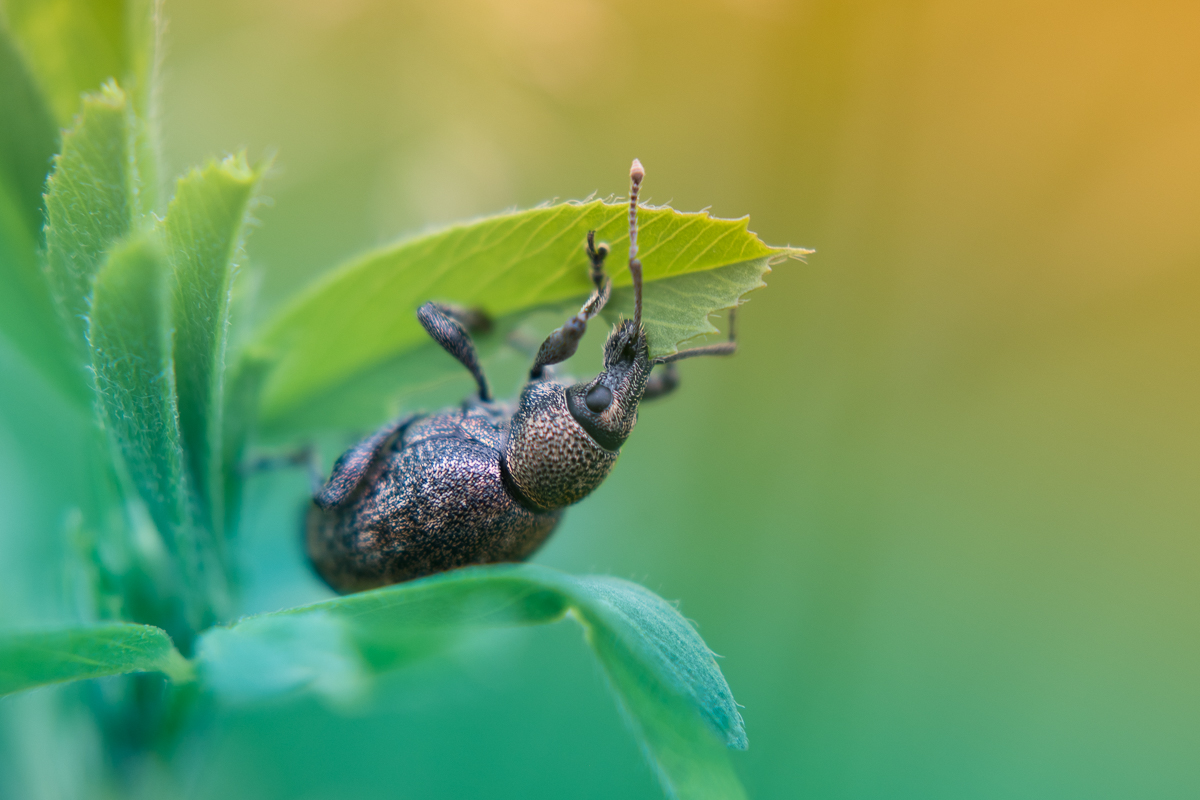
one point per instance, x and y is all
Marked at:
(790, 253)
(110, 94)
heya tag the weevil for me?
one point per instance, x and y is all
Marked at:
(489, 481)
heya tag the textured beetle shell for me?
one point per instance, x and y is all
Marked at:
(551, 460)
(429, 496)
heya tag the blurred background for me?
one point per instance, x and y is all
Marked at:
(939, 515)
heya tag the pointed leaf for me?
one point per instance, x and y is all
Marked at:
(90, 203)
(131, 355)
(665, 678)
(364, 312)
(36, 658)
(204, 227)
(143, 32)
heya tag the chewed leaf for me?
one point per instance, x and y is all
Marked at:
(363, 313)
(664, 676)
(36, 658)
(678, 307)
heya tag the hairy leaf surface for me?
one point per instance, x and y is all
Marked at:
(204, 227)
(131, 353)
(91, 200)
(36, 658)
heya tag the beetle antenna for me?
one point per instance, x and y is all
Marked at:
(636, 173)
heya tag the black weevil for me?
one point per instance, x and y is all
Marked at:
(487, 482)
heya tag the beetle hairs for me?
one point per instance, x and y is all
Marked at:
(636, 174)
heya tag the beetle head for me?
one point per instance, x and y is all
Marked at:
(606, 406)
(563, 441)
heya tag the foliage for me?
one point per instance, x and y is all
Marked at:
(124, 306)
(349, 321)
(42, 657)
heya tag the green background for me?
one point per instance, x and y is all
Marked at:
(939, 515)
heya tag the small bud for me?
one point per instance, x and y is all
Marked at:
(636, 172)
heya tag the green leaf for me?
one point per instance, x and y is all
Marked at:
(425, 377)
(143, 32)
(665, 678)
(132, 357)
(28, 317)
(29, 659)
(204, 227)
(363, 313)
(677, 309)
(91, 200)
(28, 139)
(74, 46)
(241, 404)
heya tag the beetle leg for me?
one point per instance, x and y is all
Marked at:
(443, 324)
(663, 382)
(596, 256)
(562, 342)
(724, 349)
(349, 470)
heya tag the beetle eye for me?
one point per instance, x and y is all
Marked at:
(598, 398)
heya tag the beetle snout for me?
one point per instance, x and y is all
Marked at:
(607, 405)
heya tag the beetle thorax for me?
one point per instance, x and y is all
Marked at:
(550, 461)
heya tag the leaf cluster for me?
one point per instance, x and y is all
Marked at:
(122, 302)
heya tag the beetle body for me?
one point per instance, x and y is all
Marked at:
(432, 497)
(487, 481)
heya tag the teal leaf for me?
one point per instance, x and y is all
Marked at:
(239, 417)
(36, 658)
(664, 676)
(204, 227)
(91, 200)
(363, 313)
(278, 654)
